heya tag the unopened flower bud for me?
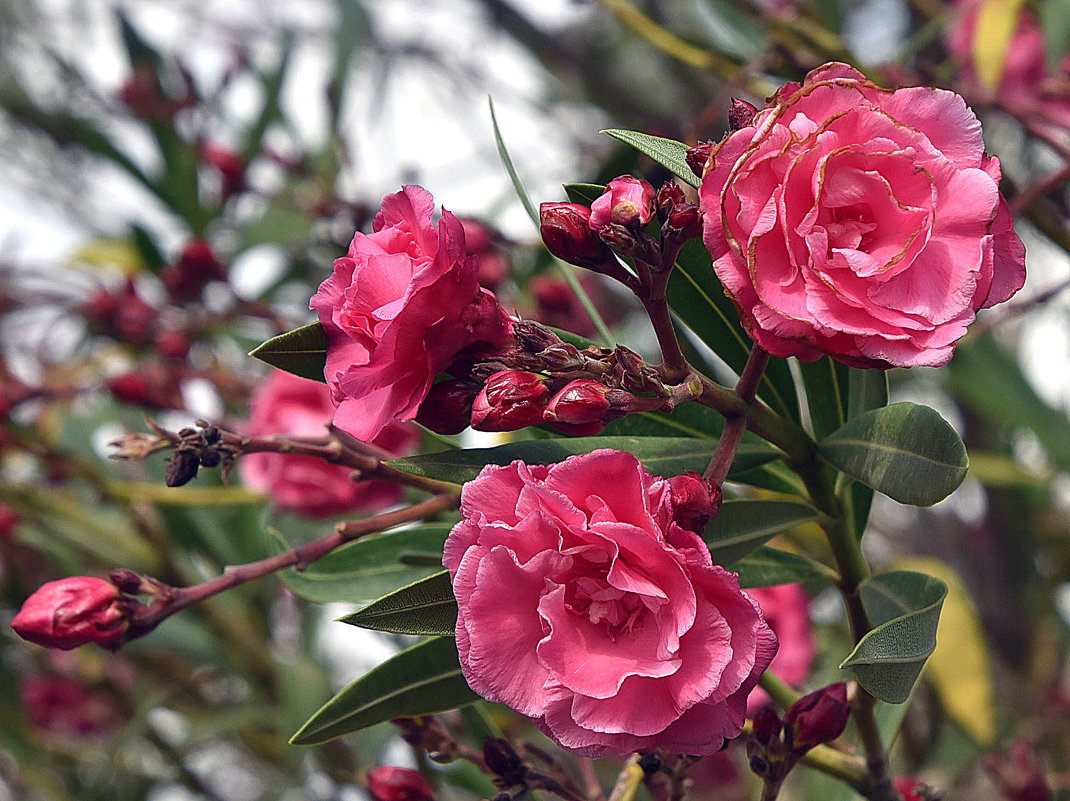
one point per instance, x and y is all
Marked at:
(685, 221)
(172, 344)
(566, 231)
(229, 165)
(196, 265)
(579, 402)
(697, 157)
(669, 197)
(388, 783)
(71, 612)
(447, 409)
(510, 400)
(740, 114)
(694, 500)
(817, 718)
(767, 725)
(182, 467)
(627, 201)
(502, 760)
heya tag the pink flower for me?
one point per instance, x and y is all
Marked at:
(67, 708)
(72, 612)
(1026, 85)
(786, 610)
(387, 783)
(627, 201)
(397, 310)
(584, 606)
(859, 222)
(305, 485)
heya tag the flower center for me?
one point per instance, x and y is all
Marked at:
(594, 598)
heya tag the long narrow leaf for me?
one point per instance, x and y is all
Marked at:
(425, 607)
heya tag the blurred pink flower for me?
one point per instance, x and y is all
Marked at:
(787, 611)
(306, 485)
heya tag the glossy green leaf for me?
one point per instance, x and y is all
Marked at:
(585, 194)
(507, 162)
(371, 567)
(904, 607)
(907, 451)
(765, 567)
(302, 351)
(424, 607)
(698, 299)
(662, 456)
(669, 153)
(421, 680)
(866, 390)
(743, 525)
(826, 394)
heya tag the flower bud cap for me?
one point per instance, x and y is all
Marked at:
(566, 231)
(740, 114)
(447, 409)
(817, 718)
(71, 612)
(579, 402)
(510, 400)
(697, 157)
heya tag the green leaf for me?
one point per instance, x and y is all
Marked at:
(662, 456)
(371, 567)
(426, 606)
(907, 451)
(765, 567)
(731, 30)
(421, 680)
(1055, 22)
(826, 394)
(584, 193)
(302, 351)
(697, 297)
(667, 152)
(743, 525)
(271, 110)
(866, 390)
(905, 608)
(507, 162)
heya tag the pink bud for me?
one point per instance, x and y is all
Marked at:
(627, 201)
(72, 612)
(817, 718)
(697, 157)
(447, 409)
(196, 265)
(740, 114)
(511, 400)
(579, 402)
(694, 500)
(567, 233)
(398, 784)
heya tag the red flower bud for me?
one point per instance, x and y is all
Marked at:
(817, 718)
(697, 157)
(694, 500)
(740, 114)
(909, 788)
(64, 707)
(398, 784)
(447, 409)
(72, 612)
(196, 265)
(578, 403)
(172, 344)
(627, 201)
(229, 165)
(511, 399)
(567, 233)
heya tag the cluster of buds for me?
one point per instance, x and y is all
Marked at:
(196, 448)
(615, 225)
(195, 267)
(515, 399)
(775, 745)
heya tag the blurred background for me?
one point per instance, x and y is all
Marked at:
(176, 177)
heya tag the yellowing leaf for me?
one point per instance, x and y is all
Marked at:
(110, 254)
(960, 667)
(996, 23)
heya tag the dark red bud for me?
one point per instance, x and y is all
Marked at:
(766, 725)
(669, 196)
(71, 612)
(567, 233)
(229, 165)
(817, 718)
(503, 760)
(697, 157)
(686, 220)
(61, 706)
(579, 402)
(447, 409)
(694, 500)
(510, 400)
(740, 114)
(398, 784)
(196, 265)
(172, 344)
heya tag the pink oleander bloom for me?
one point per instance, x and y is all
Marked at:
(387, 783)
(786, 608)
(64, 707)
(306, 485)
(582, 604)
(1026, 86)
(397, 310)
(627, 201)
(859, 222)
(71, 612)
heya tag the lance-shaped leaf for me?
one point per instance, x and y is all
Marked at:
(302, 351)
(866, 390)
(667, 152)
(662, 456)
(907, 451)
(421, 680)
(905, 606)
(743, 525)
(585, 194)
(424, 607)
(765, 567)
